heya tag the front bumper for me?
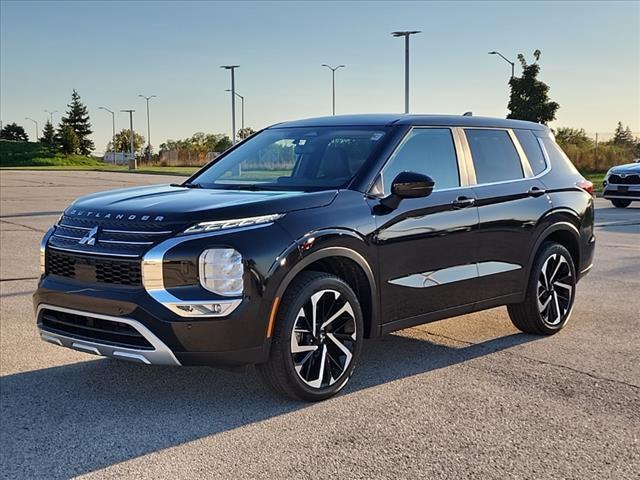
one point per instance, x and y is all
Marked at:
(159, 355)
(625, 192)
(234, 340)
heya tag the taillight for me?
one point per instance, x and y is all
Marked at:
(585, 185)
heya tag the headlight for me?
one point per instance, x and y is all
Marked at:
(225, 224)
(221, 271)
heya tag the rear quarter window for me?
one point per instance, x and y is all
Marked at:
(533, 151)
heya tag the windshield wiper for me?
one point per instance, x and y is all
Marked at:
(186, 185)
(252, 187)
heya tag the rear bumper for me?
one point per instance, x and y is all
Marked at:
(234, 340)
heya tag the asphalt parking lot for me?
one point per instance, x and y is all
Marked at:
(469, 397)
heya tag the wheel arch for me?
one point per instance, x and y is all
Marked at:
(563, 232)
(350, 266)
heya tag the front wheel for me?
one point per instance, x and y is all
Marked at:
(620, 202)
(550, 293)
(317, 338)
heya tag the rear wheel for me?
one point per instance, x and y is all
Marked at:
(317, 338)
(620, 202)
(550, 293)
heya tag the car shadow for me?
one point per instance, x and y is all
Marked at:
(73, 419)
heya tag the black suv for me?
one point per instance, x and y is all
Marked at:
(297, 244)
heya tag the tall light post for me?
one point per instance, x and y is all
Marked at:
(132, 165)
(29, 118)
(333, 83)
(113, 129)
(513, 65)
(241, 106)
(233, 100)
(406, 35)
(148, 126)
(51, 115)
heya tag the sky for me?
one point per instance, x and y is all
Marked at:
(112, 51)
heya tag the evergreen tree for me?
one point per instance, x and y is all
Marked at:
(15, 132)
(529, 98)
(67, 139)
(78, 119)
(623, 136)
(48, 135)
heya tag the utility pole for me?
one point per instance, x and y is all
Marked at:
(233, 100)
(406, 35)
(333, 83)
(133, 164)
(148, 126)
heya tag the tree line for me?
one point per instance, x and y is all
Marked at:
(70, 137)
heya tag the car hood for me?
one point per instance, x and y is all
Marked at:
(626, 168)
(168, 203)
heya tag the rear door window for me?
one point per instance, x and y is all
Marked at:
(495, 157)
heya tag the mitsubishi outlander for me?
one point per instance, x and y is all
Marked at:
(295, 245)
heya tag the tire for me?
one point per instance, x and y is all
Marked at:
(327, 354)
(620, 202)
(550, 292)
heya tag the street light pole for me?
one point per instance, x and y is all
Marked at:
(131, 139)
(406, 35)
(29, 118)
(148, 126)
(233, 100)
(51, 115)
(241, 106)
(333, 83)
(113, 129)
(513, 65)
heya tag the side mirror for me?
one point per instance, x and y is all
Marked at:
(408, 185)
(412, 185)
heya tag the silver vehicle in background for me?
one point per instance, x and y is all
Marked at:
(621, 185)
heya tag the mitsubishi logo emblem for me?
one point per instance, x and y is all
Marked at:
(90, 237)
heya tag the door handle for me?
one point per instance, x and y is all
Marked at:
(536, 192)
(463, 202)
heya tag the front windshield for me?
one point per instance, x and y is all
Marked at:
(293, 159)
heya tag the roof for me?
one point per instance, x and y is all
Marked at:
(389, 119)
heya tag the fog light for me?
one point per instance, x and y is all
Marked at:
(221, 271)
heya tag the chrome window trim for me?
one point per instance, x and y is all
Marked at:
(463, 177)
(161, 355)
(521, 154)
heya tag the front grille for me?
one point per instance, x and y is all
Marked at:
(94, 269)
(88, 328)
(112, 238)
(631, 179)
